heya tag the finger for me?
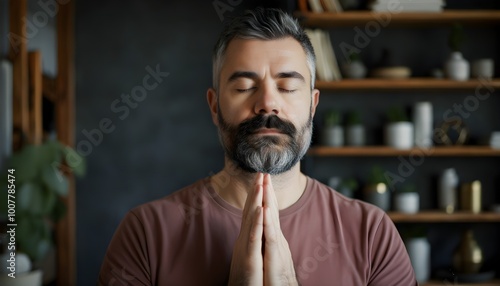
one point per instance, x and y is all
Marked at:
(270, 199)
(256, 232)
(253, 201)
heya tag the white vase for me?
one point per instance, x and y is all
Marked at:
(419, 251)
(333, 136)
(355, 135)
(456, 67)
(354, 70)
(399, 135)
(407, 202)
(32, 278)
(447, 195)
(423, 121)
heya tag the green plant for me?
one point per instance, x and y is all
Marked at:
(40, 184)
(456, 37)
(354, 118)
(349, 183)
(332, 118)
(407, 188)
(396, 114)
(353, 56)
(377, 175)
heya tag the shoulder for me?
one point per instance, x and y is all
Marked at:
(176, 206)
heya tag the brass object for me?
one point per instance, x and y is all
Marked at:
(443, 133)
(468, 257)
(471, 197)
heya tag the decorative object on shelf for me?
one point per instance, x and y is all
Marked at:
(495, 140)
(468, 256)
(456, 67)
(376, 191)
(347, 187)
(444, 134)
(327, 67)
(407, 6)
(354, 68)
(388, 69)
(407, 199)
(419, 251)
(437, 73)
(483, 68)
(423, 121)
(355, 130)
(399, 131)
(333, 132)
(470, 197)
(41, 186)
(447, 194)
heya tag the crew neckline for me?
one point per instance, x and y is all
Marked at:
(207, 182)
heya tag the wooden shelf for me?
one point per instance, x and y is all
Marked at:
(383, 151)
(352, 18)
(494, 282)
(441, 216)
(406, 84)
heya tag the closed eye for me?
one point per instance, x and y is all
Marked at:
(286, 90)
(245, 89)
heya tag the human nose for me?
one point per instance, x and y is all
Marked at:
(267, 101)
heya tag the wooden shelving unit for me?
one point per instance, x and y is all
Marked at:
(428, 84)
(441, 217)
(353, 18)
(383, 151)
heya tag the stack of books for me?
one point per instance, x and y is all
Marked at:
(407, 6)
(327, 68)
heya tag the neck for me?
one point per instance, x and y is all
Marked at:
(233, 184)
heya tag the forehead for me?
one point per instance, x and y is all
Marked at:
(256, 55)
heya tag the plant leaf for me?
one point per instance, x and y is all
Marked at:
(29, 198)
(25, 162)
(55, 180)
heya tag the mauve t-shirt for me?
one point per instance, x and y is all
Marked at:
(187, 238)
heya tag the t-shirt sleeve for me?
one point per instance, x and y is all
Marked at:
(390, 264)
(126, 260)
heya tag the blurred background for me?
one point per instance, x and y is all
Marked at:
(126, 87)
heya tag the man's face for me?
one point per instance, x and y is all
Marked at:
(264, 105)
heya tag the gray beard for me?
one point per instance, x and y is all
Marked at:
(266, 154)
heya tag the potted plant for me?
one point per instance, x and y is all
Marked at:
(333, 133)
(376, 191)
(407, 199)
(419, 251)
(399, 130)
(354, 67)
(347, 187)
(38, 185)
(355, 132)
(456, 67)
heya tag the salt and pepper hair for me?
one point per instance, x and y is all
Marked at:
(262, 24)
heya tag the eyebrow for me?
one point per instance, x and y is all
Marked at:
(253, 75)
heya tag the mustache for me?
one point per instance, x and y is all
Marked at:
(253, 124)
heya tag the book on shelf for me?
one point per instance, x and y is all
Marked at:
(327, 67)
(407, 6)
(320, 6)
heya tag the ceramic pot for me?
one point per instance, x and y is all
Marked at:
(399, 135)
(468, 257)
(407, 202)
(379, 195)
(354, 70)
(456, 67)
(355, 135)
(419, 251)
(32, 278)
(333, 136)
(423, 120)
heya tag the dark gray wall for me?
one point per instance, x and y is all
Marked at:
(168, 140)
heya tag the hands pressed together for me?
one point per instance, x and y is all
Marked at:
(261, 255)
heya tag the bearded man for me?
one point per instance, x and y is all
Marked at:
(259, 221)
